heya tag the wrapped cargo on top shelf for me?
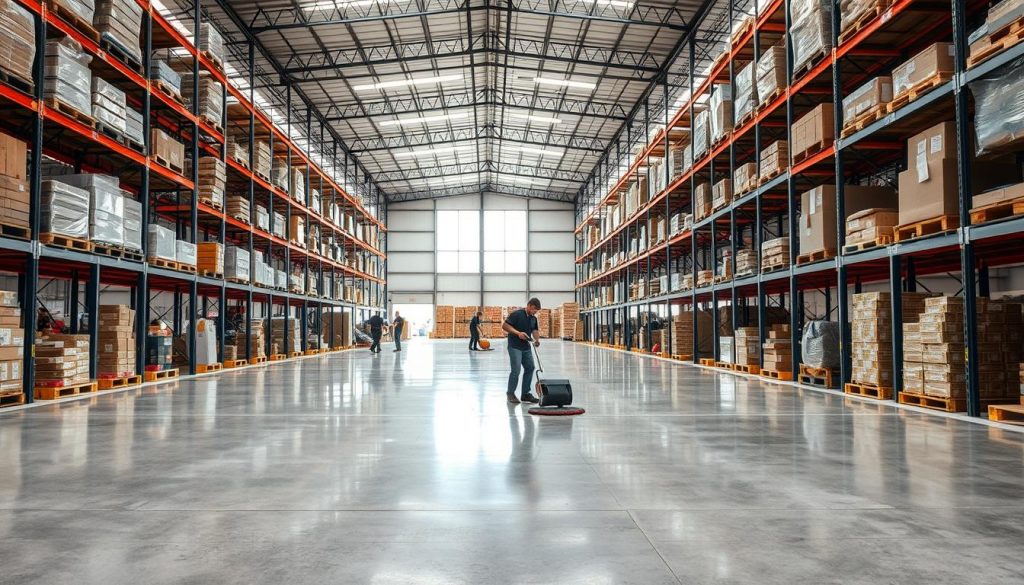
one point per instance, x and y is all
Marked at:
(167, 79)
(262, 218)
(999, 112)
(106, 206)
(853, 14)
(161, 243)
(211, 42)
(746, 92)
(83, 10)
(65, 210)
(810, 33)
(109, 106)
(771, 74)
(67, 77)
(119, 22)
(18, 45)
(132, 222)
(721, 107)
(701, 134)
(314, 201)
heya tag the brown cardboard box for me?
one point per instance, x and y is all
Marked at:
(872, 94)
(167, 148)
(13, 157)
(774, 159)
(818, 212)
(1008, 193)
(702, 201)
(721, 194)
(744, 177)
(935, 60)
(771, 72)
(870, 218)
(928, 191)
(814, 130)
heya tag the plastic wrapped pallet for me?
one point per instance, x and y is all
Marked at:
(132, 222)
(850, 11)
(279, 174)
(999, 111)
(280, 226)
(746, 91)
(133, 126)
(771, 72)
(701, 134)
(161, 243)
(297, 186)
(210, 106)
(280, 279)
(820, 344)
(211, 42)
(120, 22)
(935, 62)
(106, 206)
(236, 263)
(162, 73)
(67, 75)
(65, 210)
(811, 30)
(262, 218)
(238, 208)
(185, 252)
(109, 105)
(18, 43)
(871, 95)
(720, 106)
(83, 9)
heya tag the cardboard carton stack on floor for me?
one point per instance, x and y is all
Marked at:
(748, 346)
(342, 323)
(278, 327)
(257, 342)
(778, 349)
(493, 318)
(543, 322)
(62, 360)
(444, 322)
(12, 343)
(556, 322)
(14, 193)
(463, 315)
(116, 341)
(571, 326)
(872, 335)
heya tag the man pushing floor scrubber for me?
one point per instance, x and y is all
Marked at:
(522, 328)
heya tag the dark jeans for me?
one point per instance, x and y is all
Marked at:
(474, 340)
(375, 334)
(520, 358)
(398, 339)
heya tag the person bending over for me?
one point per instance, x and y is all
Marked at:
(521, 327)
(376, 330)
(474, 332)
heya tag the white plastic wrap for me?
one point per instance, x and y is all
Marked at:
(720, 108)
(133, 125)
(280, 225)
(999, 109)
(314, 201)
(83, 9)
(211, 41)
(106, 206)
(262, 218)
(701, 134)
(132, 222)
(298, 186)
(811, 31)
(236, 263)
(280, 279)
(18, 43)
(68, 77)
(820, 344)
(161, 243)
(211, 96)
(185, 252)
(279, 174)
(162, 71)
(771, 71)
(120, 21)
(65, 210)
(109, 105)
(746, 91)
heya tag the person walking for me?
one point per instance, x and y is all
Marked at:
(521, 327)
(397, 324)
(376, 324)
(474, 332)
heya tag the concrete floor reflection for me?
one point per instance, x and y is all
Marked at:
(412, 468)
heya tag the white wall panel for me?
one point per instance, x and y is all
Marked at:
(399, 262)
(552, 299)
(552, 282)
(466, 299)
(412, 241)
(465, 202)
(410, 282)
(551, 221)
(406, 205)
(412, 298)
(504, 282)
(457, 282)
(546, 204)
(494, 201)
(505, 299)
(550, 242)
(552, 262)
(410, 221)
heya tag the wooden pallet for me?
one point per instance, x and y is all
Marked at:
(70, 112)
(112, 45)
(868, 391)
(998, 210)
(213, 59)
(276, 357)
(879, 242)
(862, 21)
(17, 82)
(1000, 41)
(809, 152)
(918, 90)
(229, 364)
(816, 256)
(767, 100)
(746, 369)
(1008, 413)
(774, 267)
(119, 382)
(170, 92)
(744, 274)
(777, 375)
(12, 399)
(242, 163)
(811, 63)
(721, 279)
(62, 241)
(683, 357)
(116, 252)
(210, 274)
(819, 377)
(725, 365)
(707, 362)
(927, 227)
(211, 203)
(166, 163)
(866, 118)
(55, 392)
(204, 368)
(310, 352)
(15, 231)
(83, 26)
(257, 360)
(157, 375)
(943, 403)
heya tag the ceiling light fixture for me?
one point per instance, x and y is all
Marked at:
(533, 118)
(406, 82)
(615, 3)
(535, 150)
(564, 82)
(339, 4)
(431, 151)
(425, 119)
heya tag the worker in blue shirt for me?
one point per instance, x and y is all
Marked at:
(474, 332)
(522, 327)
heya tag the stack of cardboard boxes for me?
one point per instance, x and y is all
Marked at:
(744, 179)
(702, 201)
(12, 344)
(169, 152)
(67, 76)
(14, 193)
(61, 360)
(210, 256)
(746, 262)
(238, 208)
(556, 322)
(18, 44)
(935, 62)
(771, 73)
(721, 194)
(813, 132)
(818, 212)
(116, 341)
(120, 22)
(775, 253)
(444, 322)
(871, 225)
(870, 97)
(544, 322)
(257, 342)
(748, 346)
(810, 32)
(279, 327)
(778, 349)
(571, 325)
(212, 178)
(210, 106)
(774, 160)
(872, 335)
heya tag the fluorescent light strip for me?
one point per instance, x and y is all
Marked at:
(425, 119)
(564, 82)
(405, 82)
(331, 5)
(431, 151)
(533, 118)
(615, 3)
(535, 150)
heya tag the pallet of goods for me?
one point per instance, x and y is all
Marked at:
(1003, 28)
(14, 192)
(67, 80)
(571, 325)
(65, 216)
(810, 33)
(870, 228)
(866, 104)
(778, 353)
(210, 258)
(166, 151)
(119, 23)
(747, 350)
(106, 208)
(62, 366)
(12, 347)
(17, 46)
(922, 73)
(818, 216)
(813, 132)
(212, 181)
(871, 348)
(775, 254)
(116, 348)
(444, 322)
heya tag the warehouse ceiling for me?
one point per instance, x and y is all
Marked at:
(445, 97)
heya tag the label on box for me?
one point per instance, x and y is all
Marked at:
(936, 143)
(921, 162)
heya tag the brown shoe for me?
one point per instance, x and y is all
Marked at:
(512, 399)
(530, 398)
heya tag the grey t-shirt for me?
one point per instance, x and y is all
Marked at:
(521, 321)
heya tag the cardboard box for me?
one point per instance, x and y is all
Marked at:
(927, 191)
(936, 60)
(1008, 193)
(814, 130)
(818, 212)
(872, 94)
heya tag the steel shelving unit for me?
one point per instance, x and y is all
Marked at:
(895, 35)
(171, 197)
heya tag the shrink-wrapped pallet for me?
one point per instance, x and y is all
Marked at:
(746, 91)
(161, 243)
(18, 44)
(185, 252)
(109, 105)
(133, 127)
(237, 265)
(999, 111)
(771, 72)
(165, 75)
(82, 9)
(132, 222)
(211, 42)
(811, 30)
(67, 75)
(210, 106)
(65, 210)
(721, 111)
(120, 22)
(106, 206)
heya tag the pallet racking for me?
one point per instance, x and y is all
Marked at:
(350, 279)
(892, 34)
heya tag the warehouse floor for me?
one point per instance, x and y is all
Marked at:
(411, 468)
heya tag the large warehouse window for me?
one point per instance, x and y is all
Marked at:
(505, 242)
(458, 241)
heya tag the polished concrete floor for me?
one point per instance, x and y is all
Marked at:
(411, 468)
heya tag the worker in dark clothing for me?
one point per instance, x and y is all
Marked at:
(521, 327)
(376, 324)
(397, 324)
(474, 332)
